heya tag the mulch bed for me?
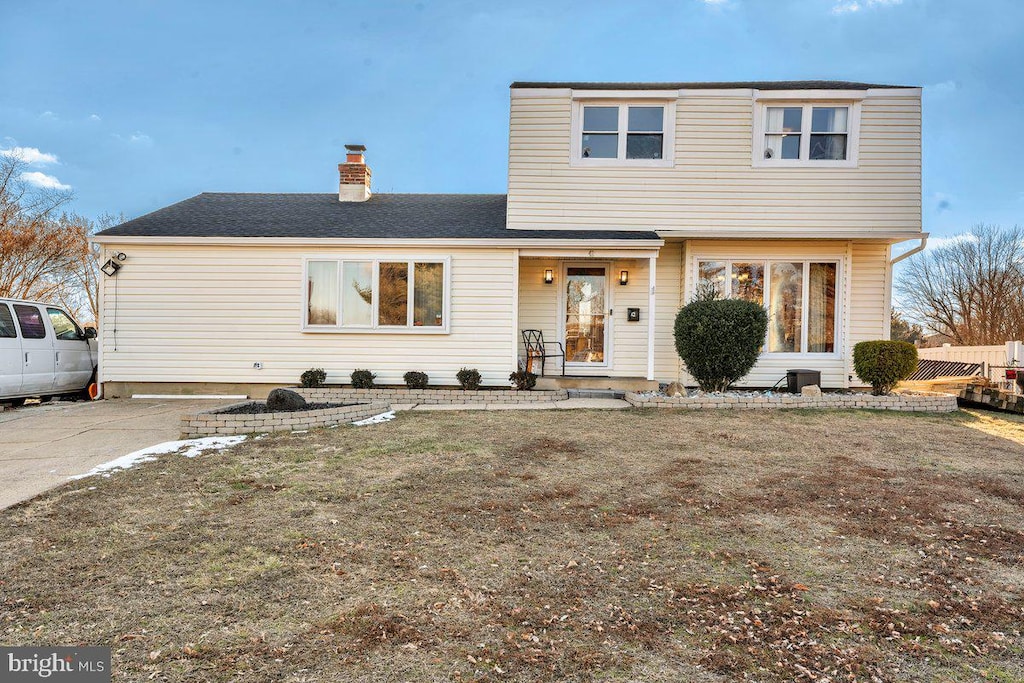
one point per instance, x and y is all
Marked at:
(257, 408)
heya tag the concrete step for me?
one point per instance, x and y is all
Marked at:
(621, 384)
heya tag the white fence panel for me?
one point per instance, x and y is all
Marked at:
(989, 355)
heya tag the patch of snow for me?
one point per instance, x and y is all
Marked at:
(376, 419)
(190, 448)
(301, 431)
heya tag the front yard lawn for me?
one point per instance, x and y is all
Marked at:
(545, 545)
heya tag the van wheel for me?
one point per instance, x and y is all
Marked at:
(45, 399)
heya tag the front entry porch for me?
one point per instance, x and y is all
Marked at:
(593, 311)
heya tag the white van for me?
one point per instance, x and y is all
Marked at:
(43, 352)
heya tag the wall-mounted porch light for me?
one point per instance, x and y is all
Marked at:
(624, 277)
(549, 276)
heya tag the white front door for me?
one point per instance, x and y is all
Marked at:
(586, 315)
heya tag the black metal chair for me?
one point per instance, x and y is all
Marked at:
(536, 348)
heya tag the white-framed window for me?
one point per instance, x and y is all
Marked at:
(811, 134)
(801, 295)
(382, 295)
(623, 133)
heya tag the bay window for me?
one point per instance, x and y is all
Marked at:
(393, 295)
(800, 297)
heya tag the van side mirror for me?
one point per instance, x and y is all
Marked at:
(90, 333)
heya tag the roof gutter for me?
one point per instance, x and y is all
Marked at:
(369, 242)
(919, 248)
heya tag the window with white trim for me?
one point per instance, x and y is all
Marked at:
(800, 297)
(810, 134)
(631, 133)
(377, 294)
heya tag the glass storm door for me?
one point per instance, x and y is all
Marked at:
(586, 309)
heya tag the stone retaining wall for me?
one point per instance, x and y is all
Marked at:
(993, 397)
(917, 402)
(214, 421)
(431, 396)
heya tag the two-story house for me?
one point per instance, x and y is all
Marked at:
(624, 200)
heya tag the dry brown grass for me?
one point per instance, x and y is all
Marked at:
(530, 546)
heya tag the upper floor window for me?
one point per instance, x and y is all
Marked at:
(622, 133)
(806, 134)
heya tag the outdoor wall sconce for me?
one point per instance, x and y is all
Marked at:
(111, 267)
(549, 276)
(624, 277)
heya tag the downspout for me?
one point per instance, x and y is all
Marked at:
(919, 248)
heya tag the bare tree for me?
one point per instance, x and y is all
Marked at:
(79, 291)
(901, 329)
(36, 246)
(970, 289)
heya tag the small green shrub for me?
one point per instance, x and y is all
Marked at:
(884, 363)
(523, 380)
(469, 379)
(362, 379)
(719, 340)
(416, 380)
(314, 377)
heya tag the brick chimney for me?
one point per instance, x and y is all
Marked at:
(354, 184)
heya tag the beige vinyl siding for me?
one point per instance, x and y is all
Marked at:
(714, 183)
(669, 293)
(206, 314)
(871, 284)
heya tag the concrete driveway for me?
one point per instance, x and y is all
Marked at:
(42, 445)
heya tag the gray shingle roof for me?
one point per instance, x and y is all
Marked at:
(712, 85)
(396, 216)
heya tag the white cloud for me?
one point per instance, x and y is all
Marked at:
(944, 86)
(39, 179)
(94, 117)
(30, 155)
(49, 115)
(851, 6)
(936, 242)
(136, 138)
(714, 2)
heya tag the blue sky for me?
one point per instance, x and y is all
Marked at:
(143, 103)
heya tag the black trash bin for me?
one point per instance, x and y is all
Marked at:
(798, 379)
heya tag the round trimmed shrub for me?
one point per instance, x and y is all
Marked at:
(362, 379)
(884, 363)
(314, 377)
(416, 380)
(719, 340)
(523, 380)
(469, 378)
